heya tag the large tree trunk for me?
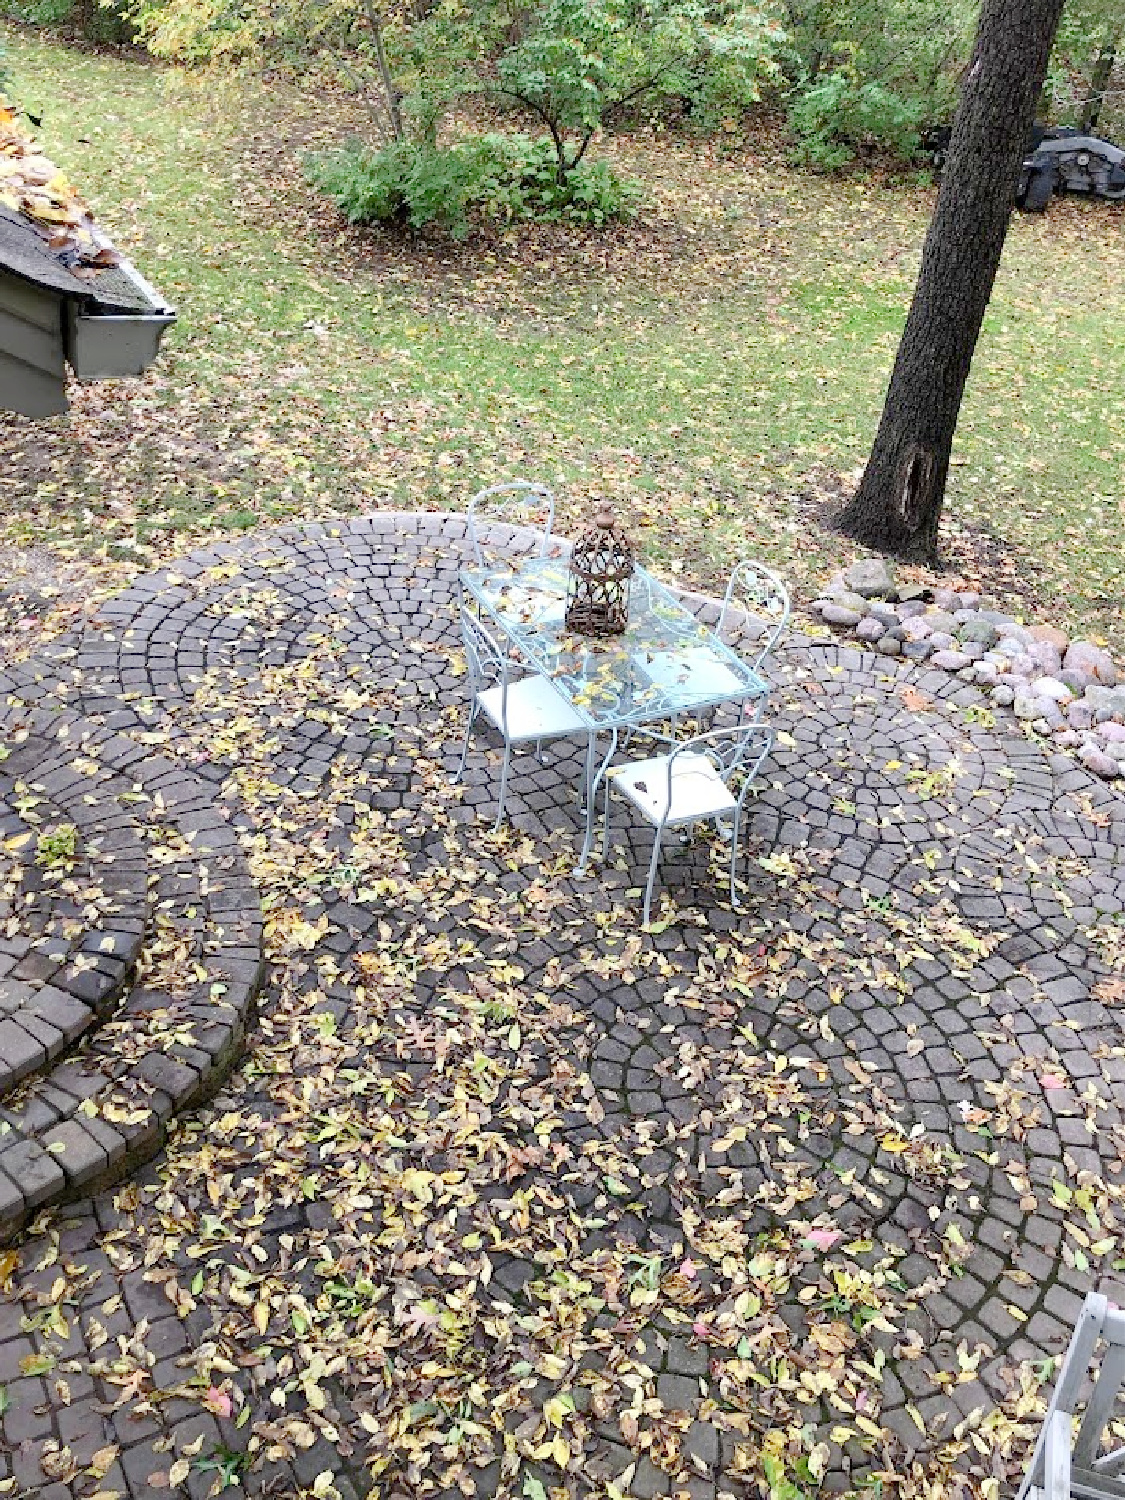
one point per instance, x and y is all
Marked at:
(898, 503)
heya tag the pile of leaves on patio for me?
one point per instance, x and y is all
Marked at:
(410, 1232)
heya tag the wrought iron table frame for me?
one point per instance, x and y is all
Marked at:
(666, 665)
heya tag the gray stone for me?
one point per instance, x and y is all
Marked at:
(870, 629)
(37, 1175)
(941, 640)
(1076, 681)
(678, 1392)
(917, 650)
(884, 610)
(837, 614)
(889, 646)
(947, 599)
(1046, 656)
(1106, 700)
(1111, 731)
(76, 1152)
(1080, 715)
(979, 630)
(20, 1053)
(949, 661)
(1012, 641)
(909, 608)
(1002, 695)
(849, 599)
(1099, 762)
(1027, 706)
(942, 620)
(1051, 687)
(1084, 656)
(870, 576)
(916, 628)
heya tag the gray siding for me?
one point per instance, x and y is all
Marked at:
(32, 368)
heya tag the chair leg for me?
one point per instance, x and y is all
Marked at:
(503, 786)
(657, 835)
(605, 825)
(465, 746)
(738, 808)
(734, 901)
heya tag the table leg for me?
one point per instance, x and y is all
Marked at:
(591, 781)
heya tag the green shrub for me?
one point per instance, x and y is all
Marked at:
(95, 20)
(838, 114)
(505, 177)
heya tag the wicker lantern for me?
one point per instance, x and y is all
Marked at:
(601, 565)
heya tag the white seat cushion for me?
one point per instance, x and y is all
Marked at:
(698, 791)
(536, 710)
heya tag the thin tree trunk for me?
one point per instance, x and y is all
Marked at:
(385, 73)
(898, 504)
(1099, 81)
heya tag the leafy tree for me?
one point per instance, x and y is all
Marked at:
(579, 65)
(1090, 41)
(898, 504)
(871, 70)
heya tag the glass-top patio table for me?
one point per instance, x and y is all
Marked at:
(665, 664)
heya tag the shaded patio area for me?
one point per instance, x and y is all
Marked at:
(504, 1191)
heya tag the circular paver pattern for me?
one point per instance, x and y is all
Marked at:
(501, 1162)
(131, 950)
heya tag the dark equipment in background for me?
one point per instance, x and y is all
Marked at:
(1059, 159)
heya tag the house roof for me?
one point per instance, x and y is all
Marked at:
(48, 235)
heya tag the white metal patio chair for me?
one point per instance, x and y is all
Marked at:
(692, 784)
(753, 615)
(1059, 1469)
(519, 504)
(759, 598)
(524, 709)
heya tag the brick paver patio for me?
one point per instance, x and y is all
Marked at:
(492, 1145)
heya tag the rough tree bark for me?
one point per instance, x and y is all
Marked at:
(898, 504)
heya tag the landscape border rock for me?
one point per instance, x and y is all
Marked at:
(1068, 691)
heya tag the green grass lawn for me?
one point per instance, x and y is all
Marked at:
(716, 369)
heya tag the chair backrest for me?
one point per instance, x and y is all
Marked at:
(756, 601)
(485, 660)
(735, 747)
(1086, 1470)
(519, 504)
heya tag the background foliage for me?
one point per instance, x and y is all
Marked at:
(851, 75)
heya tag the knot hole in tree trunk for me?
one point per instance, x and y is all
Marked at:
(917, 488)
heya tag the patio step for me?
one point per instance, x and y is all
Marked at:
(73, 900)
(129, 1006)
